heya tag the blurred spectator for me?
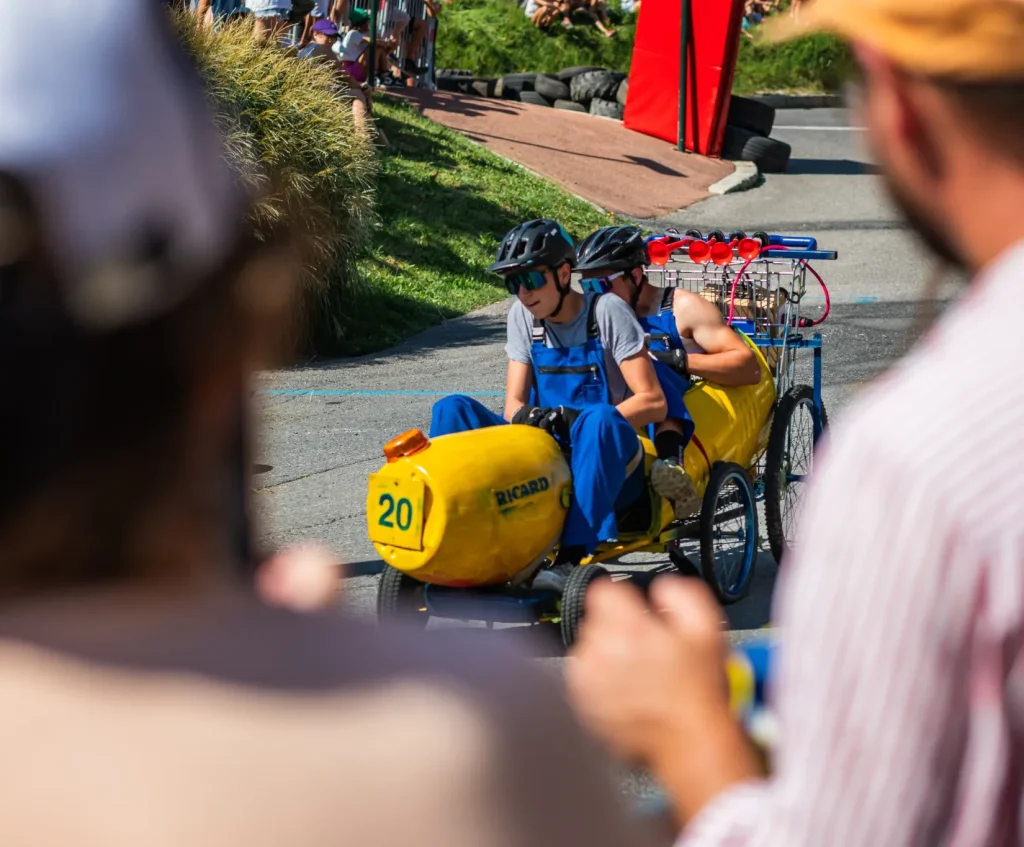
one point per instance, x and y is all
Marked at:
(899, 685)
(209, 11)
(543, 13)
(324, 36)
(349, 71)
(753, 15)
(271, 17)
(313, 11)
(147, 696)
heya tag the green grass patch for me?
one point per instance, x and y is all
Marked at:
(494, 37)
(818, 64)
(444, 203)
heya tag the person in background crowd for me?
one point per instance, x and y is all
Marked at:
(900, 682)
(210, 11)
(270, 17)
(317, 11)
(147, 696)
(324, 36)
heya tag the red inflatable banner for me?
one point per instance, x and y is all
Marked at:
(652, 105)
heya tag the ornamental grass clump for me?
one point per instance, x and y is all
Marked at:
(293, 139)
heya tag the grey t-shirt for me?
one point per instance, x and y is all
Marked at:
(620, 332)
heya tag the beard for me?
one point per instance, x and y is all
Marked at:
(931, 234)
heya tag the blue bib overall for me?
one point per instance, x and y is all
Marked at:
(663, 334)
(602, 441)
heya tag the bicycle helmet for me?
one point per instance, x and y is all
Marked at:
(537, 243)
(617, 248)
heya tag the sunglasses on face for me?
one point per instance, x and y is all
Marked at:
(530, 280)
(600, 284)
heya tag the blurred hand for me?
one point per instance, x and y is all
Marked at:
(643, 672)
(303, 579)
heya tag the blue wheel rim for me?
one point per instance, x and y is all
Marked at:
(741, 539)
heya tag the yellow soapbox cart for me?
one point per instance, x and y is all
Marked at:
(464, 522)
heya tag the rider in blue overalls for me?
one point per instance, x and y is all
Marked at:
(566, 389)
(614, 259)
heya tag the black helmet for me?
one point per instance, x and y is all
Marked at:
(617, 248)
(539, 243)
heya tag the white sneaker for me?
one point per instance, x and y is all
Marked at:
(670, 480)
(553, 578)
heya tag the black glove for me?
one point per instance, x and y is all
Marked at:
(529, 415)
(558, 422)
(675, 359)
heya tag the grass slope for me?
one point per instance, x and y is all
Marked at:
(444, 203)
(494, 37)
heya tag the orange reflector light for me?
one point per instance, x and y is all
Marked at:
(406, 444)
(721, 253)
(749, 248)
(700, 252)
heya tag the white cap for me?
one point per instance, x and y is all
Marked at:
(112, 136)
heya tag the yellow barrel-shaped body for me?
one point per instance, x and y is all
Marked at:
(470, 509)
(731, 424)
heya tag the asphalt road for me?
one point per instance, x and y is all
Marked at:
(324, 426)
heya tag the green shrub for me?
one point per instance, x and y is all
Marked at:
(816, 64)
(494, 37)
(293, 139)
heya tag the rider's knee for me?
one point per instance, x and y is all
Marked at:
(601, 417)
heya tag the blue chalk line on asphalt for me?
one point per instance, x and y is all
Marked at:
(339, 392)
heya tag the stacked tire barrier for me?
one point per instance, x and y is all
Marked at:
(589, 90)
(747, 136)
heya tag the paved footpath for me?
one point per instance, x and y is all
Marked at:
(596, 158)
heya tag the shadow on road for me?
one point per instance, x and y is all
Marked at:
(830, 167)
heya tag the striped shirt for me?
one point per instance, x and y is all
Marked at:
(900, 690)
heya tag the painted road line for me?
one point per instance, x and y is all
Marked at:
(338, 392)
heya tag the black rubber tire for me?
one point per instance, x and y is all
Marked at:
(566, 74)
(466, 85)
(454, 72)
(683, 563)
(622, 92)
(398, 599)
(769, 154)
(483, 87)
(518, 82)
(573, 597)
(569, 106)
(551, 88)
(601, 84)
(752, 115)
(534, 99)
(722, 473)
(606, 108)
(774, 463)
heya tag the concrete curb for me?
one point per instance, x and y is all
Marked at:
(801, 101)
(745, 177)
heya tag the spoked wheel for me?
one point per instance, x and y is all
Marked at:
(788, 464)
(728, 532)
(573, 596)
(400, 599)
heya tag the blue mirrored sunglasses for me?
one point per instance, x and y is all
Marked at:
(530, 280)
(600, 284)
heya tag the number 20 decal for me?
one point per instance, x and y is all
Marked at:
(402, 512)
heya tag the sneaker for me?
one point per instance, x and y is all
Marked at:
(552, 579)
(671, 481)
